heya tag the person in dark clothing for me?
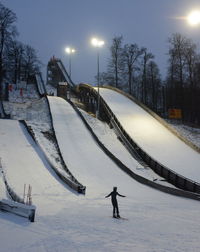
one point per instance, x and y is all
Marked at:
(113, 195)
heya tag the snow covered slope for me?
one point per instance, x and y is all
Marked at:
(23, 165)
(153, 137)
(82, 155)
(66, 221)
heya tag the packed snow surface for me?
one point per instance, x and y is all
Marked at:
(20, 158)
(110, 140)
(153, 137)
(67, 221)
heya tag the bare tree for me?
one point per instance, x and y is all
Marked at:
(131, 54)
(191, 59)
(7, 32)
(133, 64)
(177, 59)
(15, 56)
(146, 58)
(182, 88)
(154, 85)
(30, 64)
(177, 50)
(115, 64)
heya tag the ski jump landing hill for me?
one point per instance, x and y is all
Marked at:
(146, 137)
(149, 138)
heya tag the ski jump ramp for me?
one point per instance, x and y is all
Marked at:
(81, 153)
(24, 164)
(152, 136)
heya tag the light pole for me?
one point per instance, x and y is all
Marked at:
(97, 43)
(70, 51)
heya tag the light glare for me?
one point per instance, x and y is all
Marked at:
(67, 50)
(70, 50)
(96, 42)
(194, 18)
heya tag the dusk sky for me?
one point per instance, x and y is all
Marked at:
(50, 26)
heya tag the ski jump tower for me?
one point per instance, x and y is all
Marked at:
(58, 77)
(56, 73)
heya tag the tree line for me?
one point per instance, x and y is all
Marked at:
(133, 69)
(18, 61)
(183, 78)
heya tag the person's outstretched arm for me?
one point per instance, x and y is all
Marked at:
(120, 195)
(108, 195)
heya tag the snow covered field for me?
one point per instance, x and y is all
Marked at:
(153, 137)
(67, 221)
(22, 92)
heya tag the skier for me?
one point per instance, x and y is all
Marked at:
(113, 195)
